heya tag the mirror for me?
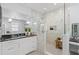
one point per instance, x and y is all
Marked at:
(75, 29)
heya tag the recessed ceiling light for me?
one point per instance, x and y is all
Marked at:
(9, 20)
(28, 22)
(55, 4)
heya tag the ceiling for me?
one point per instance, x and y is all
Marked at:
(43, 7)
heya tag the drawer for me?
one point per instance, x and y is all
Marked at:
(10, 48)
(9, 52)
(9, 45)
(0, 48)
(73, 48)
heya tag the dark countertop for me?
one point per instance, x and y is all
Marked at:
(1, 40)
(74, 40)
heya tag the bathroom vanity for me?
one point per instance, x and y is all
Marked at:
(18, 46)
(74, 48)
(74, 40)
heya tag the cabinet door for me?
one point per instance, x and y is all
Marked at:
(9, 47)
(24, 44)
(27, 45)
(33, 42)
(0, 48)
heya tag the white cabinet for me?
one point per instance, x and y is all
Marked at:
(10, 47)
(19, 46)
(28, 44)
(0, 48)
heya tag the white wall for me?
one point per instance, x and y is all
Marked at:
(71, 16)
(74, 14)
(54, 18)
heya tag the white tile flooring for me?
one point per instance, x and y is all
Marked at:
(50, 48)
(54, 51)
(36, 53)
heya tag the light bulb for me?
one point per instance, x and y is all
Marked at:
(28, 22)
(10, 20)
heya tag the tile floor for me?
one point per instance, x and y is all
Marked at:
(54, 51)
(36, 53)
(50, 48)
